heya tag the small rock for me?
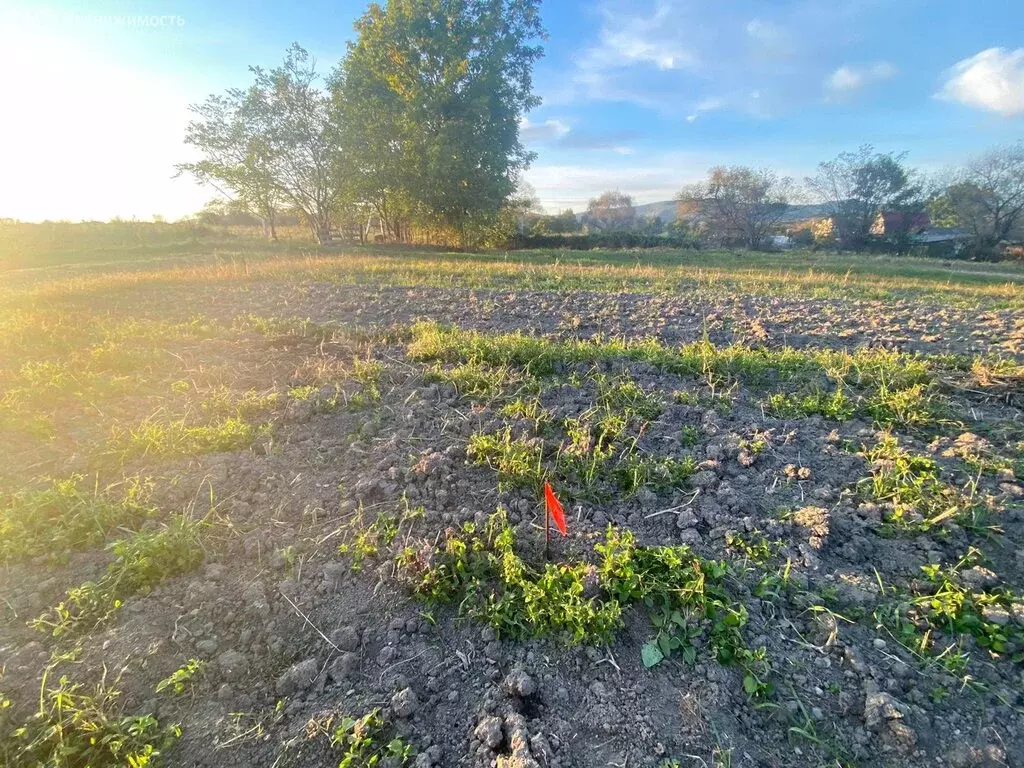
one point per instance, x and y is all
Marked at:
(686, 519)
(996, 614)
(344, 667)
(405, 703)
(520, 684)
(489, 732)
(334, 575)
(298, 677)
(493, 650)
(346, 638)
(207, 648)
(704, 479)
(979, 578)
(232, 664)
(880, 707)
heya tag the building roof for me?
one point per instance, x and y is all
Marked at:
(896, 220)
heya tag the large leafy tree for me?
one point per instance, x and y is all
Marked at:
(277, 142)
(432, 93)
(304, 139)
(739, 204)
(986, 198)
(856, 186)
(231, 133)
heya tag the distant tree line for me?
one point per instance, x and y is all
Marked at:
(859, 200)
(413, 135)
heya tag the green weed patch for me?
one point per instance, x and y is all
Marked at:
(690, 600)
(77, 726)
(933, 618)
(141, 561)
(913, 485)
(68, 515)
(178, 438)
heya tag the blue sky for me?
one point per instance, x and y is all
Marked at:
(642, 96)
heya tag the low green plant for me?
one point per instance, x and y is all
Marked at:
(686, 398)
(517, 460)
(525, 408)
(659, 473)
(181, 679)
(942, 604)
(623, 395)
(480, 571)
(913, 407)
(689, 436)
(367, 372)
(365, 539)
(832, 405)
(76, 726)
(223, 402)
(479, 381)
(914, 486)
(142, 560)
(364, 743)
(689, 599)
(754, 546)
(178, 438)
(69, 515)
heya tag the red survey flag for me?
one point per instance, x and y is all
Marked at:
(554, 507)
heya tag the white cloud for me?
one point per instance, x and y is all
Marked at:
(643, 40)
(704, 106)
(633, 46)
(671, 55)
(549, 130)
(849, 78)
(992, 80)
(765, 31)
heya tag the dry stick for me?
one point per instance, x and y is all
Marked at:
(676, 508)
(307, 620)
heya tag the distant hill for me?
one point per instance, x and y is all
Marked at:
(666, 211)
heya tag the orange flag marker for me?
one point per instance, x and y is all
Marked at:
(554, 509)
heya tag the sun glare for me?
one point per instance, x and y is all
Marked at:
(87, 137)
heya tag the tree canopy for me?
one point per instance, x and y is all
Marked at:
(856, 186)
(739, 205)
(419, 122)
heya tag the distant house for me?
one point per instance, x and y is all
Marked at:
(888, 223)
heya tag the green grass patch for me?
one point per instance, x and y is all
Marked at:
(141, 561)
(69, 515)
(77, 726)
(480, 381)
(933, 618)
(369, 741)
(921, 500)
(178, 438)
(892, 388)
(690, 600)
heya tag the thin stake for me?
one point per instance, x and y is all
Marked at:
(547, 530)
